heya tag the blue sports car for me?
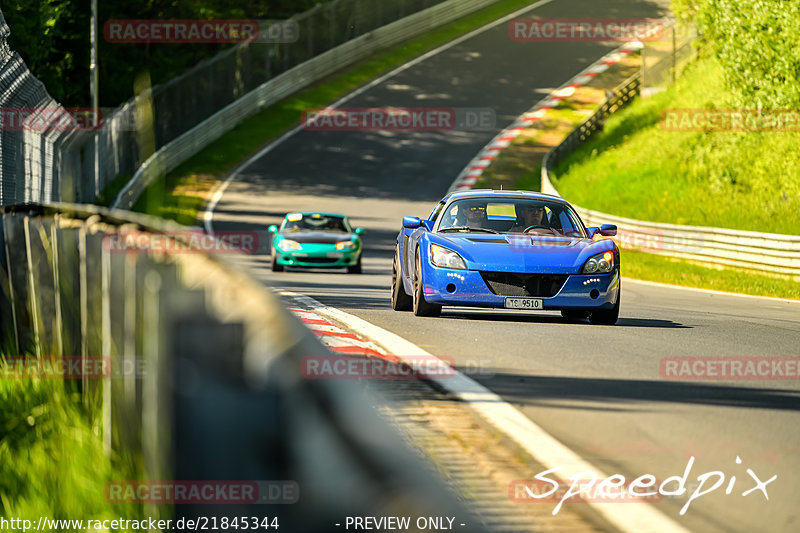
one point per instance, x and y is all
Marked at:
(507, 249)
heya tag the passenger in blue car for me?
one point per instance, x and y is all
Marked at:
(529, 215)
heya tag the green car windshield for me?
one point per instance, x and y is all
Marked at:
(296, 222)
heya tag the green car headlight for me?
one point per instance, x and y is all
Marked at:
(599, 264)
(442, 257)
(288, 245)
(346, 245)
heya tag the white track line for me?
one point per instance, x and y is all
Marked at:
(219, 189)
(543, 447)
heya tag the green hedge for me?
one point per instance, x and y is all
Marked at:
(756, 43)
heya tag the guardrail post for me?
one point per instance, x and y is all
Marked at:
(130, 433)
(156, 404)
(222, 429)
(118, 417)
(55, 260)
(19, 287)
(107, 351)
(92, 302)
(8, 336)
(674, 53)
(42, 284)
(68, 274)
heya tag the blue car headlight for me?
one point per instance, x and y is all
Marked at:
(599, 264)
(346, 245)
(442, 257)
(288, 245)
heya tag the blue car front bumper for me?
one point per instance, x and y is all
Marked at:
(469, 288)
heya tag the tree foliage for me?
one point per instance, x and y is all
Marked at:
(757, 42)
(53, 38)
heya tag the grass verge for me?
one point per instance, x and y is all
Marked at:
(654, 267)
(53, 460)
(181, 196)
(636, 168)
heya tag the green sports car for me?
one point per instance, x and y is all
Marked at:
(316, 240)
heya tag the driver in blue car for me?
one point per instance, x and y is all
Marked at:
(475, 215)
(472, 214)
(529, 214)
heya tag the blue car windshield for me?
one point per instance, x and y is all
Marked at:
(512, 215)
(314, 222)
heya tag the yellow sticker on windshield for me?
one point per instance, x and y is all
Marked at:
(294, 217)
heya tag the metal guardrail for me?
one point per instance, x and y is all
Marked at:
(188, 144)
(205, 379)
(766, 252)
(621, 96)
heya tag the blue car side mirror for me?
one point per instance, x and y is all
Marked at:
(608, 230)
(411, 222)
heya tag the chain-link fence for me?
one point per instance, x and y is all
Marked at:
(58, 164)
(27, 156)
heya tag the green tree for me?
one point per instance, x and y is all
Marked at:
(756, 42)
(52, 36)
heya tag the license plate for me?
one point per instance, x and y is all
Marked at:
(524, 303)
(337, 255)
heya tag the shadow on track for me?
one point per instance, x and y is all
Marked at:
(500, 316)
(549, 390)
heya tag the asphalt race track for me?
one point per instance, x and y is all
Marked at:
(597, 389)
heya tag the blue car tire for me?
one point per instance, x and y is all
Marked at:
(401, 301)
(421, 307)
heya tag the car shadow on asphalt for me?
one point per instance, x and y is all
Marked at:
(500, 316)
(549, 390)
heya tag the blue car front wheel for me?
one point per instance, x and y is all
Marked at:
(422, 307)
(607, 317)
(400, 300)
